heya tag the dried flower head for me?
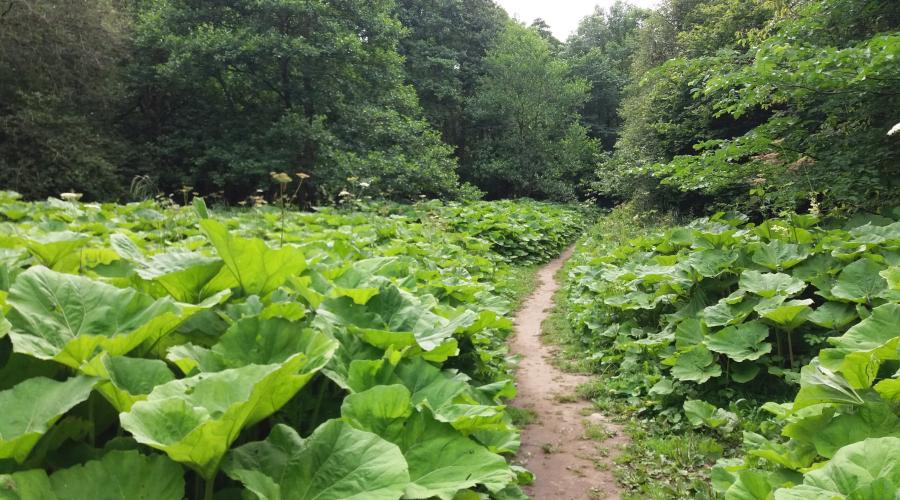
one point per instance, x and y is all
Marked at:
(281, 177)
(71, 196)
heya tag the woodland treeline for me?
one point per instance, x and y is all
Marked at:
(760, 104)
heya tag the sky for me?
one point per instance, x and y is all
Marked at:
(561, 15)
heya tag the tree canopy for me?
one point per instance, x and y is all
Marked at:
(691, 106)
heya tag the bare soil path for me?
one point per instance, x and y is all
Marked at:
(558, 447)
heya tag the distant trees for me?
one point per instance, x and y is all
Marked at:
(228, 91)
(444, 51)
(761, 104)
(59, 96)
(697, 104)
(601, 52)
(530, 141)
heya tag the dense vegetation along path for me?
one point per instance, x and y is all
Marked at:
(558, 447)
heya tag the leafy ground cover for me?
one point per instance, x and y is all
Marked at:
(183, 352)
(772, 347)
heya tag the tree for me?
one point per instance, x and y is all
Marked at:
(662, 115)
(530, 140)
(227, 91)
(443, 53)
(59, 92)
(601, 51)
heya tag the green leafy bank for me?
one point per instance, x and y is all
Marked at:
(179, 352)
(778, 340)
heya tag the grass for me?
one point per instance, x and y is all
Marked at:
(597, 432)
(566, 398)
(521, 416)
(550, 448)
(516, 283)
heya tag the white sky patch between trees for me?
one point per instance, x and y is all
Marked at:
(562, 15)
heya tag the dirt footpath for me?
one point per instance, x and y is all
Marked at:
(569, 464)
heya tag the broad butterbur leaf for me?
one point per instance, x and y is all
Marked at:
(696, 365)
(195, 420)
(869, 469)
(787, 315)
(778, 255)
(397, 319)
(744, 342)
(118, 475)
(821, 385)
(58, 250)
(30, 409)
(336, 462)
(860, 282)
(441, 460)
(770, 284)
(182, 274)
(831, 427)
(254, 266)
(125, 381)
(725, 313)
(69, 319)
(254, 340)
(833, 315)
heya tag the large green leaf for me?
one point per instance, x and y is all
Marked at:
(696, 365)
(124, 380)
(787, 315)
(69, 319)
(253, 340)
(744, 342)
(395, 318)
(712, 263)
(195, 420)
(818, 385)
(777, 255)
(770, 284)
(182, 274)
(860, 282)
(30, 409)
(867, 470)
(729, 311)
(829, 428)
(58, 250)
(878, 332)
(118, 475)
(336, 462)
(441, 460)
(255, 268)
(448, 395)
(859, 353)
(833, 315)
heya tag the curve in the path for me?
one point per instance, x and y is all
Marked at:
(567, 464)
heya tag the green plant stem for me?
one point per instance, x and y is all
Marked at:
(790, 350)
(319, 397)
(208, 492)
(92, 433)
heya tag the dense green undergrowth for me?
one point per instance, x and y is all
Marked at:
(185, 353)
(779, 340)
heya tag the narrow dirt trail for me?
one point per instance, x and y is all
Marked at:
(568, 465)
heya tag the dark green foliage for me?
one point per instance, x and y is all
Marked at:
(529, 139)
(601, 52)
(231, 91)
(58, 92)
(443, 53)
(788, 104)
(699, 325)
